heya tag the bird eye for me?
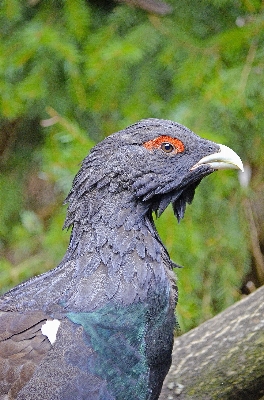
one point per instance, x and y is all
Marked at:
(167, 147)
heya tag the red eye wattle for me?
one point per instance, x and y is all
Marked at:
(165, 143)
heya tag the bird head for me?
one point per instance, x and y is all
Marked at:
(157, 161)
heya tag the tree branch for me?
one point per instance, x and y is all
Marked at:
(152, 6)
(223, 358)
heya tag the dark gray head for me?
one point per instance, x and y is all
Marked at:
(157, 162)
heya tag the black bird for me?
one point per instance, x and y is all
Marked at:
(100, 325)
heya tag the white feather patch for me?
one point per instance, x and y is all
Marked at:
(50, 329)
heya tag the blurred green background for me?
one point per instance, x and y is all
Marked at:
(73, 72)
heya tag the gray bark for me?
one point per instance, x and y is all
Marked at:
(222, 358)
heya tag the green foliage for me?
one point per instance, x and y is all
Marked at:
(67, 68)
(212, 252)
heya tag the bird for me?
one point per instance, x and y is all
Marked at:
(100, 325)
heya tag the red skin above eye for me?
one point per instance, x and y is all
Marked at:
(156, 143)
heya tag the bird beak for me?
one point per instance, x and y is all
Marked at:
(226, 158)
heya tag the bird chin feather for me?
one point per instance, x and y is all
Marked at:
(178, 198)
(186, 197)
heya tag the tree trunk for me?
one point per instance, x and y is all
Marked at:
(223, 358)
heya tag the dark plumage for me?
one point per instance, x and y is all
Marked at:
(111, 300)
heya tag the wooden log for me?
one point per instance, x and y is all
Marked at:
(222, 358)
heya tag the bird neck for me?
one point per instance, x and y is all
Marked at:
(117, 222)
(114, 257)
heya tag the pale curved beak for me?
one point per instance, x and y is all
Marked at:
(226, 158)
